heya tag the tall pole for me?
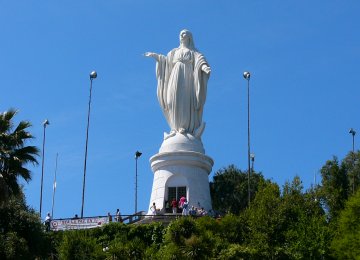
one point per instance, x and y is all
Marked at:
(137, 155)
(246, 75)
(353, 133)
(54, 187)
(93, 75)
(45, 123)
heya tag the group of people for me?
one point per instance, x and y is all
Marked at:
(199, 212)
(182, 206)
(118, 217)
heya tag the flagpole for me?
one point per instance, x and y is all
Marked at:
(54, 187)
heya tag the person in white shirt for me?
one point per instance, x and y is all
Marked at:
(153, 209)
(185, 208)
(47, 221)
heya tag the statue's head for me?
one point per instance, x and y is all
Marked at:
(187, 38)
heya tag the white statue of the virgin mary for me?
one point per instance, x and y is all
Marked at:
(182, 78)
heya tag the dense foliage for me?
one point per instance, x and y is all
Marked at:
(346, 244)
(340, 180)
(280, 224)
(22, 234)
(229, 189)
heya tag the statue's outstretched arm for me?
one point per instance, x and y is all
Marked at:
(153, 55)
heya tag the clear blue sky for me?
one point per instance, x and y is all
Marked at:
(304, 57)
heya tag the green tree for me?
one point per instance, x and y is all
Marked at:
(14, 154)
(305, 228)
(187, 238)
(211, 233)
(233, 228)
(334, 190)
(287, 225)
(265, 223)
(229, 189)
(179, 230)
(346, 244)
(351, 164)
(126, 249)
(22, 235)
(79, 244)
(236, 251)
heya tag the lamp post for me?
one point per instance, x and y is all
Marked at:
(45, 123)
(54, 188)
(93, 75)
(246, 76)
(137, 155)
(353, 133)
(252, 157)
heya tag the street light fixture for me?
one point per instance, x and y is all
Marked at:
(252, 157)
(45, 123)
(353, 133)
(92, 75)
(137, 155)
(246, 76)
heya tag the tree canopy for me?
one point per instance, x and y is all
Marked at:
(22, 234)
(340, 180)
(14, 154)
(229, 189)
(346, 244)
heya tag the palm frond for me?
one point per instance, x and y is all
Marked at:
(6, 117)
(14, 154)
(22, 126)
(27, 154)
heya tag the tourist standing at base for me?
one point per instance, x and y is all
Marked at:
(192, 211)
(174, 206)
(153, 209)
(47, 222)
(185, 208)
(181, 202)
(118, 217)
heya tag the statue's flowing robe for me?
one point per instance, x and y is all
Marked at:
(182, 87)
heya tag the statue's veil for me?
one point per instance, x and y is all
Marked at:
(191, 38)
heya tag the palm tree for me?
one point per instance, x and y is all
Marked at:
(14, 155)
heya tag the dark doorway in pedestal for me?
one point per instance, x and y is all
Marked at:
(177, 193)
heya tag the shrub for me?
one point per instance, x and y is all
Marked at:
(179, 230)
(238, 252)
(78, 245)
(131, 249)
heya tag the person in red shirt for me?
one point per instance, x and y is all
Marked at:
(181, 202)
(174, 206)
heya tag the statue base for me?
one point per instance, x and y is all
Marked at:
(181, 169)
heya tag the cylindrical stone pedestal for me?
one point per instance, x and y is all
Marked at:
(181, 169)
